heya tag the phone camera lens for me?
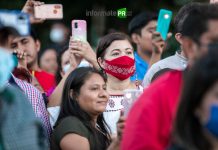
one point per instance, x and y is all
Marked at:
(21, 18)
(76, 25)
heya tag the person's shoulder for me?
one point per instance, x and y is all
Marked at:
(155, 68)
(28, 87)
(162, 86)
(70, 124)
(46, 74)
(167, 78)
(71, 119)
(163, 63)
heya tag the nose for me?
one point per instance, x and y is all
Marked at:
(123, 53)
(21, 47)
(103, 94)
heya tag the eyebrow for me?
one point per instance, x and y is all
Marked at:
(119, 49)
(21, 39)
(96, 84)
(151, 28)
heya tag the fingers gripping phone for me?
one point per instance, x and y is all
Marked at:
(16, 19)
(79, 32)
(163, 22)
(48, 11)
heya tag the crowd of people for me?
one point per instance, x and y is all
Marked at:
(70, 96)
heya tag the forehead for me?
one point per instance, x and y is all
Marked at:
(119, 44)
(66, 55)
(17, 39)
(49, 51)
(212, 33)
(151, 24)
(94, 78)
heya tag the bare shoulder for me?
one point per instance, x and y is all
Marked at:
(73, 141)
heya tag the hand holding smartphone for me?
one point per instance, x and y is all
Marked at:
(163, 22)
(48, 11)
(79, 30)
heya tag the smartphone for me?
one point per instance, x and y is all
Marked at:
(48, 11)
(16, 19)
(163, 22)
(130, 96)
(79, 28)
(213, 1)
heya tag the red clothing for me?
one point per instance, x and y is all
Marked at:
(149, 124)
(46, 80)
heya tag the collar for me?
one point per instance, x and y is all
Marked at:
(138, 59)
(178, 54)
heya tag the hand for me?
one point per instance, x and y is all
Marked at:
(75, 59)
(29, 9)
(158, 43)
(120, 125)
(84, 50)
(22, 59)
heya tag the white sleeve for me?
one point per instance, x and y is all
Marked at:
(53, 114)
(149, 75)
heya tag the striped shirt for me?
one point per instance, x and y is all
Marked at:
(37, 102)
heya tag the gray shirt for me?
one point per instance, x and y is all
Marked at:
(176, 62)
(19, 128)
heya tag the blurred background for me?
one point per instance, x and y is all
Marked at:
(97, 26)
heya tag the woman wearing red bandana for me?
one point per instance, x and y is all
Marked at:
(116, 58)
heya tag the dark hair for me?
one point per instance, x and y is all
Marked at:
(188, 130)
(33, 34)
(106, 41)
(5, 33)
(22, 74)
(196, 23)
(58, 76)
(183, 13)
(41, 53)
(70, 107)
(140, 21)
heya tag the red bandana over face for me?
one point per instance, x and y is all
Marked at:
(121, 67)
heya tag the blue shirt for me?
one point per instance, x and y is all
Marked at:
(141, 68)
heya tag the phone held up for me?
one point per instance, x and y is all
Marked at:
(163, 22)
(48, 11)
(79, 30)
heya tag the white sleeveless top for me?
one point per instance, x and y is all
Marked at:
(112, 113)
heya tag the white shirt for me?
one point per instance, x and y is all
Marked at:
(176, 62)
